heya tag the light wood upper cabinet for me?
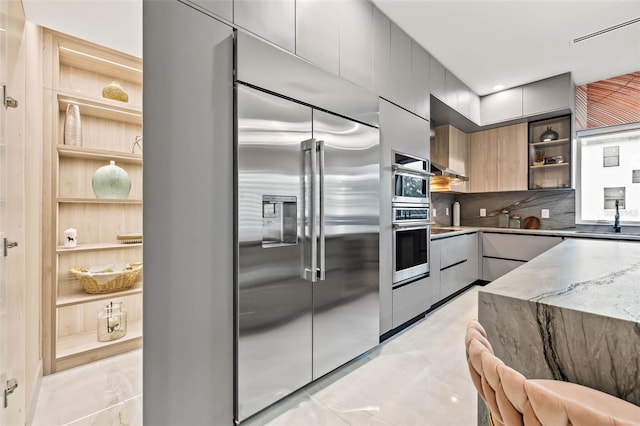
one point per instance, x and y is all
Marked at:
(318, 33)
(450, 148)
(273, 20)
(498, 159)
(512, 158)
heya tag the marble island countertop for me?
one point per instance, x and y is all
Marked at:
(573, 314)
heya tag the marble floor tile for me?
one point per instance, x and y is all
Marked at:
(418, 377)
(87, 391)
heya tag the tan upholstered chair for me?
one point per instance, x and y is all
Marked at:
(513, 399)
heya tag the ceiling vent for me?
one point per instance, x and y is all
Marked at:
(606, 30)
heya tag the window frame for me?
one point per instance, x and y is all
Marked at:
(577, 168)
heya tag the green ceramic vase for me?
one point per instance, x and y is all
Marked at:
(111, 182)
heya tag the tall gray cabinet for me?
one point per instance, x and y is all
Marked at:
(188, 217)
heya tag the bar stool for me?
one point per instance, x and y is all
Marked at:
(512, 399)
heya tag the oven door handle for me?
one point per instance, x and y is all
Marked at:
(399, 168)
(412, 225)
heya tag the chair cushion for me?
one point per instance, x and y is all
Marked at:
(608, 405)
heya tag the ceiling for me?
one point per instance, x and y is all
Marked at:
(113, 23)
(483, 42)
(512, 42)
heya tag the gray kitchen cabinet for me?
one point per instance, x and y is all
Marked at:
(473, 271)
(552, 94)
(420, 104)
(273, 20)
(416, 298)
(381, 54)
(502, 253)
(356, 41)
(318, 33)
(437, 78)
(433, 281)
(222, 8)
(203, 85)
(452, 86)
(458, 263)
(409, 301)
(493, 269)
(406, 132)
(501, 106)
(464, 99)
(453, 268)
(474, 108)
(400, 67)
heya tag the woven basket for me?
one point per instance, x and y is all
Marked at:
(121, 281)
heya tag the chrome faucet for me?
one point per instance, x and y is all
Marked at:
(616, 222)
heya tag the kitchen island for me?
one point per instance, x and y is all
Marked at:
(572, 314)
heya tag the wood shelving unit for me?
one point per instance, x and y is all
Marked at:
(550, 175)
(80, 296)
(67, 151)
(78, 71)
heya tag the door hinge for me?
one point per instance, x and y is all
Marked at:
(7, 245)
(8, 101)
(9, 386)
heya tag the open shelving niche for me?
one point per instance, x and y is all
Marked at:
(554, 175)
(75, 73)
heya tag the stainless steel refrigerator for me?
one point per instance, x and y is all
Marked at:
(307, 241)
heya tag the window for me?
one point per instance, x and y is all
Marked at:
(608, 170)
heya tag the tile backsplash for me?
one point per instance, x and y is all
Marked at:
(559, 202)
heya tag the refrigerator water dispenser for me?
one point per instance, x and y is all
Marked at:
(279, 220)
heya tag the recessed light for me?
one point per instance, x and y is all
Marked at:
(498, 87)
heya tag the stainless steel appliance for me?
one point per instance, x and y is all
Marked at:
(411, 243)
(410, 179)
(307, 241)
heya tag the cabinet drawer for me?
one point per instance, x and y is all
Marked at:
(409, 301)
(453, 279)
(495, 268)
(453, 250)
(516, 247)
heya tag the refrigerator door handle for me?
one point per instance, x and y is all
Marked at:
(311, 273)
(321, 211)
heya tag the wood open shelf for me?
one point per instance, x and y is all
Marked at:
(550, 143)
(78, 56)
(71, 151)
(546, 166)
(87, 341)
(96, 247)
(83, 297)
(97, 201)
(101, 108)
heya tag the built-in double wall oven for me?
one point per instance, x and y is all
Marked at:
(411, 221)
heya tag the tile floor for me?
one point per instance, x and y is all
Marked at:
(418, 377)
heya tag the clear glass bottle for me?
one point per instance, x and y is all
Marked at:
(112, 322)
(514, 222)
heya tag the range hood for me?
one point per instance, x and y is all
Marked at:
(444, 179)
(447, 173)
